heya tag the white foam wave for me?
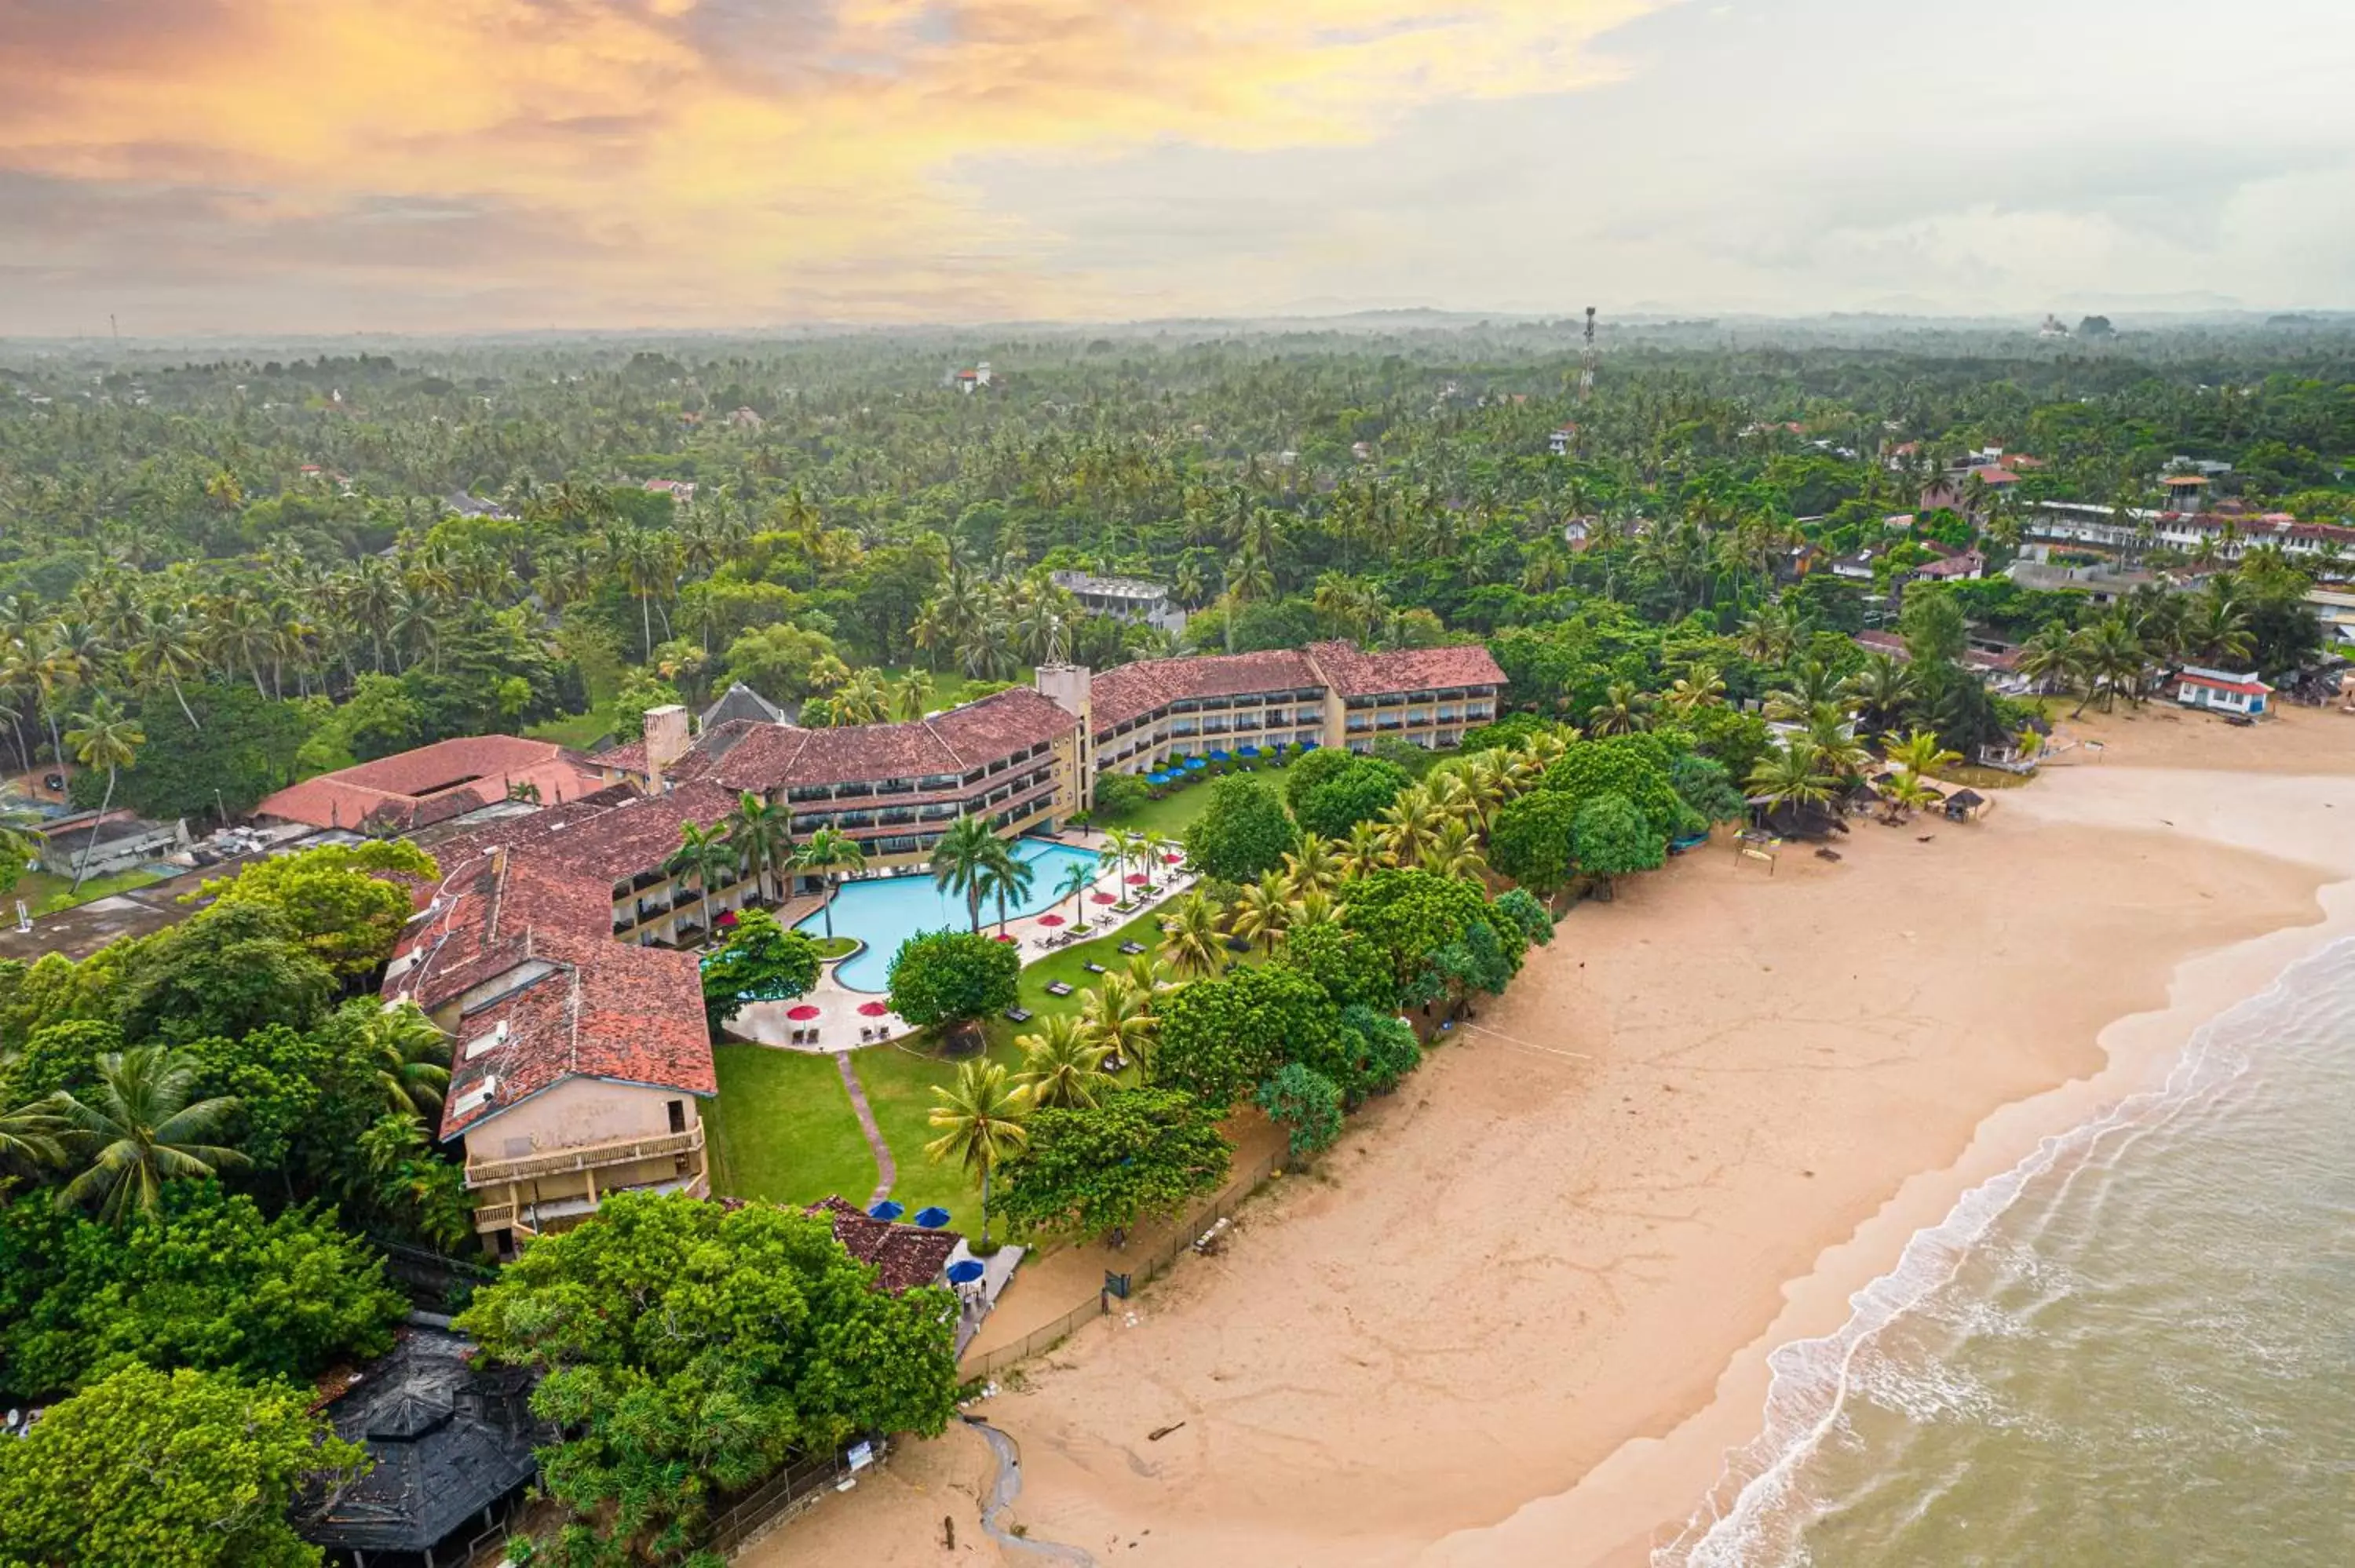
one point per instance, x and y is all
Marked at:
(1813, 1381)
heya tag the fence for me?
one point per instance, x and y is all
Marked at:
(778, 1498)
(1148, 1265)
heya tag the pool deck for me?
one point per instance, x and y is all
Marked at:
(839, 1022)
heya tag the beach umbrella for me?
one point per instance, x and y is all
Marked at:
(1194, 764)
(803, 1014)
(1248, 751)
(874, 1009)
(965, 1270)
(1050, 919)
(1102, 898)
(1007, 937)
(886, 1210)
(1307, 746)
(1173, 858)
(1220, 757)
(931, 1219)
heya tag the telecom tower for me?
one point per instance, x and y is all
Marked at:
(1586, 360)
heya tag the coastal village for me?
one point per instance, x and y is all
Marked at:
(1097, 919)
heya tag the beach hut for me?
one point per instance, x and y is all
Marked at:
(1965, 805)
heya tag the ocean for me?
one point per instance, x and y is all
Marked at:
(2137, 1347)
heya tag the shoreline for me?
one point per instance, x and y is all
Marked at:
(1614, 1516)
(1523, 1313)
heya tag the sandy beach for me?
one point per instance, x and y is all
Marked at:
(1521, 1314)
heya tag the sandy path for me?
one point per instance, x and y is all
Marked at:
(1699, 1120)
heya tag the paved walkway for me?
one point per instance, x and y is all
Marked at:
(887, 1170)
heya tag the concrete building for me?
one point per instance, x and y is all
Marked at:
(1128, 599)
(2223, 691)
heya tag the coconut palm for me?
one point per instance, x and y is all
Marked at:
(1261, 912)
(1317, 907)
(164, 654)
(1311, 866)
(1062, 1064)
(1789, 775)
(411, 1055)
(2216, 629)
(1902, 796)
(103, 737)
(2113, 660)
(1832, 737)
(1364, 852)
(1770, 636)
(912, 697)
(2051, 660)
(1881, 691)
(763, 840)
(1121, 846)
(702, 853)
(827, 852)
(1920, 752)
(144, 1129)
(1189, 938)
(979, 1118)
(1078, 878)
(1410, 823)
(1154, 850)
(960, 863)
(1118, 1015)
(32, 1135)
(1007, 876)
(1701, 686)
(1454, 851)
(1623, 711)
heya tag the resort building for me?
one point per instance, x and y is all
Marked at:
(2225, 691)
(2220, 530)
(1126, 598)
(437, 783)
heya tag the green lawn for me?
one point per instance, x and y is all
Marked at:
(45, 894)
(899, 1082)
(1069, 964)
(782, 1128)
(949, 686)
(579, 731)
(1172, 814)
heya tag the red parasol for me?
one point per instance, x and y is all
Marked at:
(1135, 877)
(1050, 919)
(1102, 898)
(1007, 937)
(1172, 859)
(873, 1009)
(803, 1014)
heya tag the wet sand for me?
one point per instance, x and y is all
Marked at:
(1521, 1314)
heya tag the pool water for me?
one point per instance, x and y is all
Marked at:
(887, 911)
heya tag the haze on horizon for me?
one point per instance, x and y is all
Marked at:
(330, 165)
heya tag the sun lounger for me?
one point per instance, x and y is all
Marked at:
(1060, 988)
(1131, 947)
(1018, 1015)
(1092, 967)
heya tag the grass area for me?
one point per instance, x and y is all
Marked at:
(835, 946)
(45, 894)
(782, 1128)
(948, 686)
(1069, 964)
(1172, 814)
(898, 1080)
(580, 731)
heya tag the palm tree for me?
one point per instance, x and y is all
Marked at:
(1261, 912)
(826, 851)
(911, 699)
(763, 837)
(1701, 687)
(165, 652)
(1008, 876)
(1881, 690)
(1454, 851)
(960, 860)
(2114, 660)
(1788, 775)
(1921, 753)
(979, 1119)
(1312, 866)
(145, 1129)
(1622, 711)
(2052, 659)
(103, 737)
(1122, 846)
(1902, 796)
(702, 851)
(1118, 1016)
(1062, 1066)
(1153, 849)
(1189, 940)
(1078, 878)
(32, 1135)
(411, 1054)
(1366, 850)
(1770, 636)
(1410, 823)
(2217, 629)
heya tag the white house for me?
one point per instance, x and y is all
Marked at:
(2224, 690)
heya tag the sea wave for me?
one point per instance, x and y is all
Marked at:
(1758, 1512)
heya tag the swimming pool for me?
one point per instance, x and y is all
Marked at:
(888, 911)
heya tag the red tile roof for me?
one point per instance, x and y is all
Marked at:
(904, 1257)
(1887, 642)
(775, 757)
(1121, 694)
(1355, 673)
(612, 833)
(2245, 688)
(434, 783)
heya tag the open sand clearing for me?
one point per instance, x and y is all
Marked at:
(1707, 1113)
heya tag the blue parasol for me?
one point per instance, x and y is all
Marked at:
(1220, 757)
(931, 1219)
(965, 1270)
(1307, 746)
(1194, 764)
(886, 1210)
(1248, 751)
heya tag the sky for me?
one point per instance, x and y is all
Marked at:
(226, 167)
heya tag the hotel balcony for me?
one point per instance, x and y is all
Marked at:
(578, 1157)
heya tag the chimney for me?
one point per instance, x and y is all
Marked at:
(1071, 688)
(666, 742)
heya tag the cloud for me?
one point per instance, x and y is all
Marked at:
(694, 160)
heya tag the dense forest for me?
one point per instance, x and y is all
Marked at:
(271, 565)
